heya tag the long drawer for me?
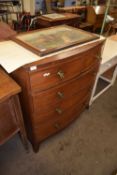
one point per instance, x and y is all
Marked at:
(46, 78)
(54, 96)
(44, 130)
(59, 109)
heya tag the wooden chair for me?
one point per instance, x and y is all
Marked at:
(112, 29)
(23, 22)
(94, 18)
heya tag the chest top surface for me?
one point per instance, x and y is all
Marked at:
(45, 46)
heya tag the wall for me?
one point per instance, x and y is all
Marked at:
(29, 6)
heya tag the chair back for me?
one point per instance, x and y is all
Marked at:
(95, 12)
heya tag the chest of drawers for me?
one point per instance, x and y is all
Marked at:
(58, 90)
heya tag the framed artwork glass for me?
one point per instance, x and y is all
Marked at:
(54, 16)
(53, 39)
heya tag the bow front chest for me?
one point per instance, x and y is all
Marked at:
(56, 89)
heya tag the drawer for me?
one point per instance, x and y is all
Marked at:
(57, 110)
(43, 131)
(46, 78)
(43, 101)
(8, 124)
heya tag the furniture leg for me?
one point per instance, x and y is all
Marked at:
(18, 112)
(35, 147)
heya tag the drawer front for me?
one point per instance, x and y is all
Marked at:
(59, 109)
(49, 99)
(7, 121)
(41, 80)
(42, 131)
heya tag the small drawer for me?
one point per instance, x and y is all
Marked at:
(46, 78)
(48, 99)
(43, 131)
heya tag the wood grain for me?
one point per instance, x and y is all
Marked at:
(44, 112)
(8, 87)
(11, 120)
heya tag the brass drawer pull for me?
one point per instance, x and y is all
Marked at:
(98, 57)
(57, 126)
(59, 111)
(60, 73)
(60, 94)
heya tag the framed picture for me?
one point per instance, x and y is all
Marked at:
(54, 16)
(53, 39)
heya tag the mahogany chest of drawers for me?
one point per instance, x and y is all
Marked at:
(57, 87)
(57, 90)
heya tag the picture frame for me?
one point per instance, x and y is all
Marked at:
(49, 40)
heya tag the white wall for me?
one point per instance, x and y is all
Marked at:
(29, 6)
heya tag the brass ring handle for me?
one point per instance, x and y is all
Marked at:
(98, 57)
(57, 126)
(59, 111)
(60, 73)
(60, 94)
